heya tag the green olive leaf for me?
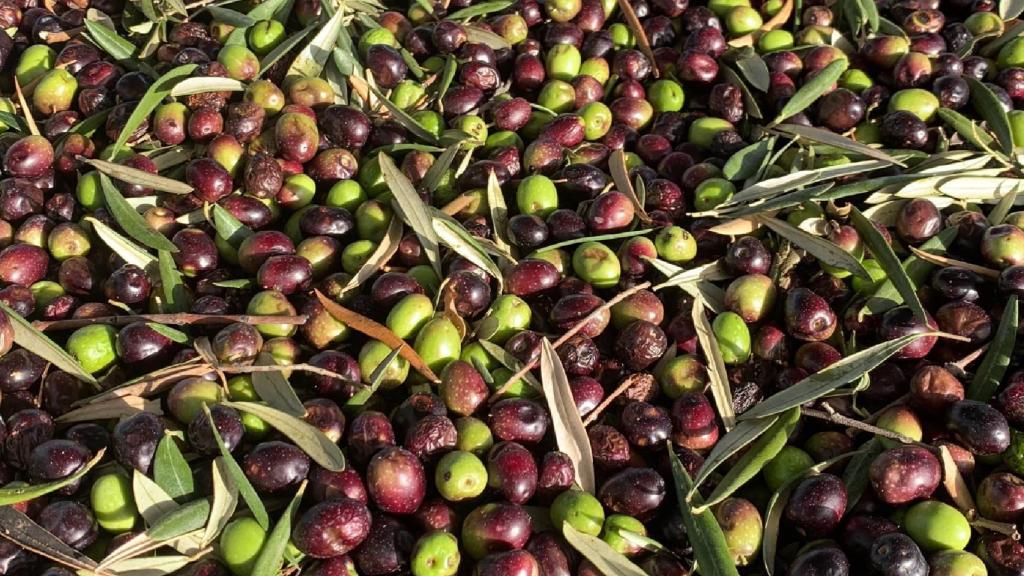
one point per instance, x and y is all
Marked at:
(992, 47)
(597, 238)
(271, 557)
(745, 163)
(271, 10)
(479, 35)
(230, 17)
(1003, 207)
(437, 170)
(202, 84)
(166, 331)
(141, 177)
(855, 475)
(28, 337)
(360, 398)
(23, 493)
(286, 46)
(710, 548)
(745, 432)
(812, 90)
(245, 488)
(403, 118)
(753, 68)
(411, 209)
(1010, 9)
(237, 284)
(311, 440)
(887, 296)
(228, 227)
(225, 501)
(175, 294)
(717, 374)
(620, 175)
(150, 499)
(310, 61)
(274, 389)
(21, 530)
(766, 447)
(822, 249)
(605, 558)
(452, 234)
(180, 521)
(150, 100)
(129, 251)
(499, 212)
(830, 138)
(108, 40)
(447, 76)
(481, 9)
(570, 434)
(831, 378)
(772, 186)
(387, 248)
(130, 220)
(509, 361)
(969, 130)
(170, 469)
(884, 255)
(989, 107)
(997, 358)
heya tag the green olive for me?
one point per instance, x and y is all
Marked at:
(265, 35)
(563, 62)
(788, 464)
(558, 96)
(612, 530)
(436, 553)
(55, 92)
(94, 347)
(113, 503)
(240, 545)
(536, 195)
(597, 120)
(682, 374)
(272, 303)
(407, 94)
(35, 61)
(733, 337)
(743, 20)
(409, 315)
(372, 355)
(937, 526)
(666, 95)
(580, 510)
(675, 244)
(703, 130)
(438, 342)
(473, 435)
(596, 68)
(356, 254)
(917, 101)
(596, 264)
(773, 40)
(509, 315)
(460, 475)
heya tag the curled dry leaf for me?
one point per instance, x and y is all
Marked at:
(955, 484)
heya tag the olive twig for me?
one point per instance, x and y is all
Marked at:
(569, 334)
(850, 422)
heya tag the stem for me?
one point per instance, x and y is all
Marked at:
(626, 383)
(182, 319)
(837, 418)
(565, 337)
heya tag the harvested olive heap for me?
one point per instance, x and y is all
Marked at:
(509, 288)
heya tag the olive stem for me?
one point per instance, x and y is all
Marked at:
(619, 391)
(175, 319)
(641, 35)
(569, 334)
(1003, 528)
(850, 422)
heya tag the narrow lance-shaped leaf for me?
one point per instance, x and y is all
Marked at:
(437, 170)
(225, 501)
(376, 378)
(170, 469)
(710, 548)
(245, 488)
(310, 61)
(744, 164)
(176, 298)
(1003, 207)
(232, 17)
(24, 493)
(499, 211)
(620, 175)
(991, 109)
(21, 530)
(130, 220)
(716, 365)
(812, 90)
(753, 460)
(108, 40)
(182, 520)
(150, 499)
(820, 248)
(274, 389)
(605, 558)
(917, 270)
(403, 118)
(271, 556)
(894, 271)
(141, 177)
(451, 232)
(150, 100)
(839, 141)
(570, 434)
(311, 440)
(745, 432)
(201, 84)
(411, 209)
(997, 357)
(381, 255)
(831, 378)
(29, 338)
(481, 9)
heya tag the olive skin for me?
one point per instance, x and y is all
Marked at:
(396, 481)
(817, 504)
(333, 528)
(905, 474)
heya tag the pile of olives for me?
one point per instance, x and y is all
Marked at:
(278, 281)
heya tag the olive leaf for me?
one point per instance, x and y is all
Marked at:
(150, 100)
(238, 477)
(812, 90)
(150, 565)
(108, 40)
(447, 76)
(754, 69)
(884, 255)
(13, 122)
(855, 475)
(822, 249)
(481, 36)
(113, 409)
(29, 338)
(745, 163)
(310, 61)
(377, 331)
(773, 186)
(745, 432)
(830, 138)
(509, 361)
(310, 439)
(271, 556)
(717, 374)
(274, 389)
(24, 493)
(969, 130)
(175, 294)
(750, 102)
(376, 378)
(180, 521)
(917, 270)
(597, 238)
(499, 211)
(411, 209)
(481, 9)
(1003, 207)
(620, 175)
(141, 177)
(170, 469)
(990, 108)
(237, 284)
(1010, 32)
(380, 257)
(710, 548)
(271, 10)
(130, 220)
(286, 46)
(766, 447)
(570, 434)
(225, 501)
(451, 233)
(954, 483)
(403, 118)
(831, 378)
(605, 558)
(437, 170)
(201, 84)
(772, 206)
(150, 499)
(21, 530)
(997, 358)
(230, 17)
